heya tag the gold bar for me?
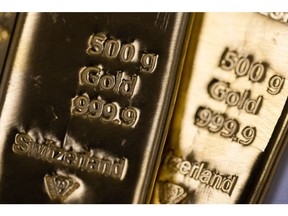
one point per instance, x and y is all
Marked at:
(85, 102)
(230, 122)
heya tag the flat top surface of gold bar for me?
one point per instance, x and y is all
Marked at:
(224, 124)
(84, 102)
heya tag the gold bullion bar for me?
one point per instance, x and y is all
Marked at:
(85, 104)
(230, 122)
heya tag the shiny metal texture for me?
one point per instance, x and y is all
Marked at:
(229, 127)
(86, 100)
(7, 21)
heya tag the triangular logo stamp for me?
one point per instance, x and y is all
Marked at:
(171, 193)
(60, 187)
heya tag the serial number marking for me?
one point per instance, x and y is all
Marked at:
(50, 152)
(100, 44)
(106, 112)
(216, 122)
(120, 83)
(198, 171)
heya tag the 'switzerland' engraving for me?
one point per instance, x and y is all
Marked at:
(199, 172)
(50, 152)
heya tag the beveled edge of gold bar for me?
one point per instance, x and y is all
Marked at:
(279, 136)
(10, 54)
(186, 74)
(6, 31)
(184, 65)
(183, 56)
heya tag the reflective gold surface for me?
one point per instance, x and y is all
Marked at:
(7, 21)
(230, 121)
(85, 100)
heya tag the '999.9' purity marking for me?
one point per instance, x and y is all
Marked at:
(243, 66)
(121, 83)
(228, 127)
(107, 112)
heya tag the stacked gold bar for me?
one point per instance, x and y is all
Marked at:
(230, 121)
